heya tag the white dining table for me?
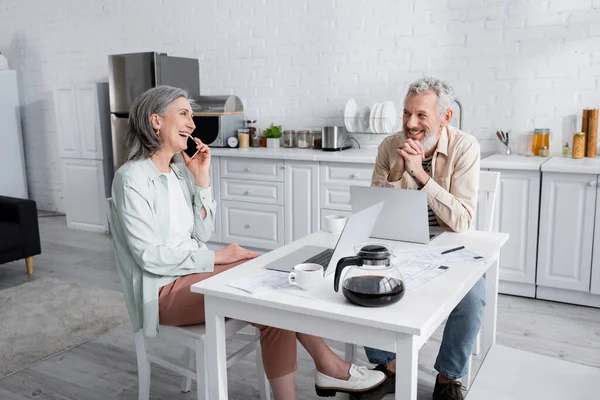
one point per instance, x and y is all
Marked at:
(402, 327)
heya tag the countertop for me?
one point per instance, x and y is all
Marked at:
(519, 162)
(573, 166)
(366, 156)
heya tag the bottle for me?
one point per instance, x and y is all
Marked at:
(566, 150)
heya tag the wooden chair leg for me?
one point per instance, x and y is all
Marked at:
(29, 264)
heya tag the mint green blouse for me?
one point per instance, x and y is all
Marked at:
(139, 221)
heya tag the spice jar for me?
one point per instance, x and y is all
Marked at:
(578, 145)
(317, 141)
(544, 151)
(304, 139)
(289, 139)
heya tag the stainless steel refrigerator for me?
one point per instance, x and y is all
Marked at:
(131, 75)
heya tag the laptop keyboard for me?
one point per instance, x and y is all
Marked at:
(322, 258)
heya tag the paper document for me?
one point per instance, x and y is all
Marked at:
(263, 282)
(418, 273)
(436, 256)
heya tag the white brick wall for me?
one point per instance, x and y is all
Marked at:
(515, 64)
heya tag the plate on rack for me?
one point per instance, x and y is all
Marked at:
(363, 118)
(388, 117)
(373, 117)
(351, 115)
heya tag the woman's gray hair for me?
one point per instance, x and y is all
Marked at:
(444, 92)
(141, 141)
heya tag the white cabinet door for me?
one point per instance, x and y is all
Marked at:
(65, 111)
(84, 194)
(88, 121)
(595, 283)
(254, 225)
(301, 187)
(566, 230)
(215, 183)
(517, 209)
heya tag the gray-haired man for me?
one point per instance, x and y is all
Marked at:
(432, 156)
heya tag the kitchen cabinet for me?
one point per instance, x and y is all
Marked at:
(252, 224)
(84, 194)
(86, 162)
(301, 182)
(215, 184)
(566, 231)
(569, 245)
(517, 213)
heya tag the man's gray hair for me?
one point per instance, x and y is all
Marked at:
(444, 92)
(141, 141)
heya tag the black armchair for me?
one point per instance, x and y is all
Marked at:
(19, 231)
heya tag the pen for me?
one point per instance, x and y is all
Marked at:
(454, 249)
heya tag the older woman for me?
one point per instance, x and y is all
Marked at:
(165, 210)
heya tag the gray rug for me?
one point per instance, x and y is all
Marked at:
(45, 316)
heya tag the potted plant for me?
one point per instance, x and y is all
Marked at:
(273, 134)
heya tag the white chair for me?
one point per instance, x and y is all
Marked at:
(193, 339)
(489, 184)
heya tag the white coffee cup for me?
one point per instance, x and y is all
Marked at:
(335, 223)
(306, 275)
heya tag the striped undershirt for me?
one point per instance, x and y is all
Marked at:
(427, 167)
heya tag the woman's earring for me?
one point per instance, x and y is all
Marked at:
(158, 132)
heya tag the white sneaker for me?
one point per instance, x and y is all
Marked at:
(362, 380)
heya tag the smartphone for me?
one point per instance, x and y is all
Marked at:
(191, 150)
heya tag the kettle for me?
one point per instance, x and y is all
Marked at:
(372, 280)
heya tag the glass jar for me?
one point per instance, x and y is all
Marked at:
(544, 151)
(578, 150)
(289, 139)
(243, 137)
(253, 132)
(541, 137)
(317, 141)
(304, 139)
(263, 141)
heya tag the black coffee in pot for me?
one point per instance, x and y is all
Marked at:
(373, 290)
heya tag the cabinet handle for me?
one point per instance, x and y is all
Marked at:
(248, 226)
(354, 175)
(248, 192)
(284, 166)
(248, 169)
(592, 183)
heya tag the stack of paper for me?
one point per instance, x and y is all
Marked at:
(263, 282)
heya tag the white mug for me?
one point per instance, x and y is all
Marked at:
(306, 275)
(335, 223)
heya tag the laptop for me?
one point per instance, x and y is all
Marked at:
(357, 230)
(404, 216)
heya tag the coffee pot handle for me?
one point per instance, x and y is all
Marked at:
(343, 263)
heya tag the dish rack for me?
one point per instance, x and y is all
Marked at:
(383, 124)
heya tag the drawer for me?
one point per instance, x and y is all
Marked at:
(325, 212)
(251, 168)
(254, 225)
(338, 197)
(346, 174)
(263, 192)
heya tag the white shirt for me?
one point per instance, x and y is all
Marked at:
(181, 223)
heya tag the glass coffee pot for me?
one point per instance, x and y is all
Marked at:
(371, 280)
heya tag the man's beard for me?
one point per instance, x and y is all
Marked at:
(429, 141)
